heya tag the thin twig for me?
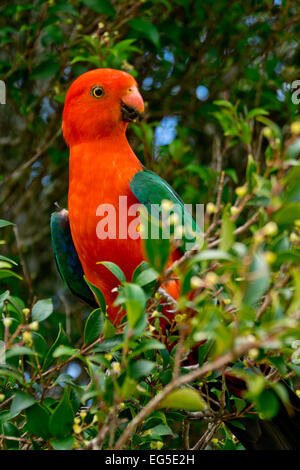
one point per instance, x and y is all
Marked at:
(186, 434)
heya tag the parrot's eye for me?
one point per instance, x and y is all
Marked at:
(97, 91)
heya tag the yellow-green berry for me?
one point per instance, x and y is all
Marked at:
(27, 337)
(196, 282)
(267, 132)
(77, 429)
(241, 191)
(34, 325)
(116, 367)
(234, 211)
(270, 229)
(211, 208)
(295, 128)
(270, 257)
(7, 322)
(253, 354)
(211, 279)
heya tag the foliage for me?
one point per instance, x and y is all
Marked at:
(70, 378)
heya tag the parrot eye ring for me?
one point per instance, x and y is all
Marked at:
(97, 91)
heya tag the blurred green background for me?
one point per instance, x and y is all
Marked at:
(184, 55)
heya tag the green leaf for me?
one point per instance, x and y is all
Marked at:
(287, 214)
(100, 6)
(158, 431)
(207, 255)
(98, 294)
(224, 103)
(12, 373)
(18, 351)
(47, 69)
(65, 351)
(38, 421)
(251, 172)
(114, 269)
(237, 424)
(5, 273)
(157, 251)
(64, 379)
(267, 404)
(52, 34)
(4, 258)
(109, 329)
(60, 339)
(259, 276)
(62, 420)
(184, 399)
(108, 344)
(93, 326)
(42, 310)
(39, 343)
(203, 351)
(240, 404)
(63, 444)
(275, 128)
(20, 402)
(227, 235)
(146, 277)
(92, 59)
(294, 149)
(148, 345)
(64, 8)
(134, 299)
(140, 368)
(146, 29)
(256, 112)
(4, 223)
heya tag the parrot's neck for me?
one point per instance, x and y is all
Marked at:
(108, 152)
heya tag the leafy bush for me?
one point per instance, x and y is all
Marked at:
(69, 378)
(137, 383)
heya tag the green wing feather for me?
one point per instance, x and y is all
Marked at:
(150, 189)
(66, 257)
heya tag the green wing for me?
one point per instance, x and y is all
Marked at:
(66, 257)
(150, 189)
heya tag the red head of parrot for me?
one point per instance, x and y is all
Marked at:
(100, 103)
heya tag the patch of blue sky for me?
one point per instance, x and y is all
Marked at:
(169, 56)
(46, 108)
(280, 95)
(46, 180)
(74, 370)
(147, 83)
(202, 93)
(166, 132)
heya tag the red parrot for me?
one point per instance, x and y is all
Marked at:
(98, 107)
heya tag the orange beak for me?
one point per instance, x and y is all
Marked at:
(132, 105)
